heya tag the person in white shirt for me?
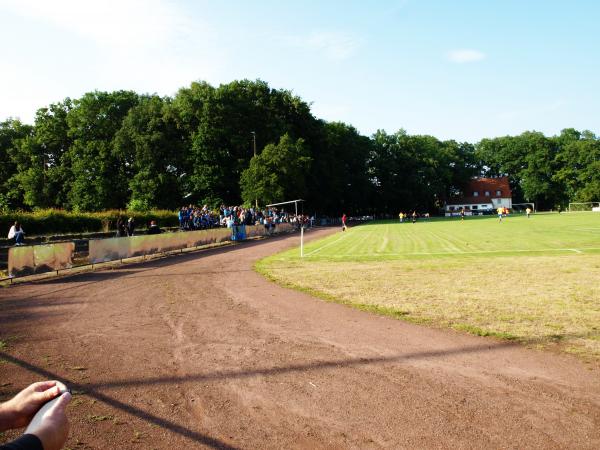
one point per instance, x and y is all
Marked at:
(16, 232)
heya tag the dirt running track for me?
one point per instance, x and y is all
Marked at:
(197, 351)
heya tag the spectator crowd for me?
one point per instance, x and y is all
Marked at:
(199, 218)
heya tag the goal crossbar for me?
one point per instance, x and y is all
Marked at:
(295, 202)
(285, 203)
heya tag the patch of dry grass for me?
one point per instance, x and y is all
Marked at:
(538, 300)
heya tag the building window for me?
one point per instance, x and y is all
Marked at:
(498, 193)
(487, 193)
(475, 194)
(474, 206)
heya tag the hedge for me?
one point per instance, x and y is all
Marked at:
(55, 221)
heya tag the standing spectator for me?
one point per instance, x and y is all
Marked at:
(130, 226)
(121, 227)
(180, 216)
(16, 231)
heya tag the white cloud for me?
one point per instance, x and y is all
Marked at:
(337, 46)
(464, 55)
(109, 23)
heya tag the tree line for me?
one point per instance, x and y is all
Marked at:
(117, 150)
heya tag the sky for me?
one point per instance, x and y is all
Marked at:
(462, 69)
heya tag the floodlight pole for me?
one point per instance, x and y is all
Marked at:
(254, 147)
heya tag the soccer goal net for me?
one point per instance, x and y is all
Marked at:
(522, 207)
(584, 206)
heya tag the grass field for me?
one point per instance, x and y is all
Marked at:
(533, 280)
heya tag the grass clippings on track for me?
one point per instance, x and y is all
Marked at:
(543, 299)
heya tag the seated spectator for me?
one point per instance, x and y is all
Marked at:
(153, 228)
(17, 232)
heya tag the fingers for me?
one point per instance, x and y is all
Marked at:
(42, 385)
(61, 404)
(48, 394)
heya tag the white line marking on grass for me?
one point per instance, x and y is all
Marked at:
(326, 245)
(480, 252)
(588, 230)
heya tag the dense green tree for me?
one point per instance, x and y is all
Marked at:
(12, 133)
(45, 174)
(222, 145)
(150, 147)
(530, 161)
(99, 174)
(279, 172)
(418, 172)
(579, 165)
(340, 170)
(117, 149)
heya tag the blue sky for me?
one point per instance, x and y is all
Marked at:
(459, 70)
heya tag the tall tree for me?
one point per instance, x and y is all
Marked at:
(279, 172)
(44, 174)
(99, 175)
(579, 165)
(340, 170)
(150, 147)
(222, 145)
(12, 134)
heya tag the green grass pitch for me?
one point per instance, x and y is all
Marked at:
(483, 235)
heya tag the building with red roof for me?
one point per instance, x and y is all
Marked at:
(481, 195)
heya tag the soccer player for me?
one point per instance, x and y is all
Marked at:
(500, 212)
(528, 211)
(344, 222)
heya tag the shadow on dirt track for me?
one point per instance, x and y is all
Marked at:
(94, 390)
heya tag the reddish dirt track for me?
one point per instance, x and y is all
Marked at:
(197, 350)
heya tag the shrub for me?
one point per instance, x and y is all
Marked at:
(55, 221)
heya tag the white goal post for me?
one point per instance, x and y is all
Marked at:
(584, 206)
(295, 202)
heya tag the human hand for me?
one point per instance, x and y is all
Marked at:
(51, 425)
(19, 410)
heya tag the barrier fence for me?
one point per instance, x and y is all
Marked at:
(34, 259)
(29, 260)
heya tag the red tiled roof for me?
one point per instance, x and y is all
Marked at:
(481, 185)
